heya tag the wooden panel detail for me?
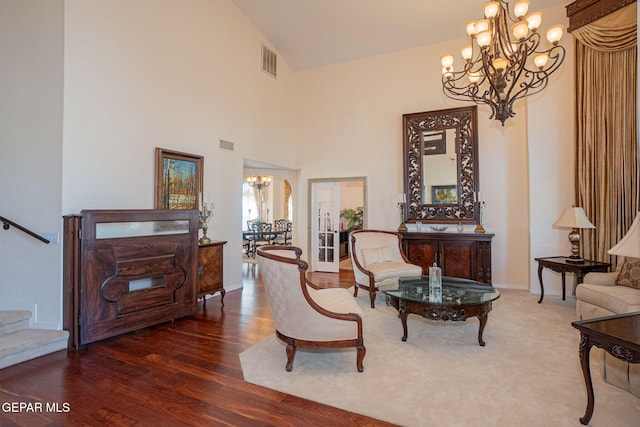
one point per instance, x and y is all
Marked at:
(457, 258)
(423, 254)
(463, 255)
(583, 12)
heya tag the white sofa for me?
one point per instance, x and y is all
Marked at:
(599, 296)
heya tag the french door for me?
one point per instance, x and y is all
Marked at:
(325, 219)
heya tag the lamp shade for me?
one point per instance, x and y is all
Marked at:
(629, 246)
(573, 218)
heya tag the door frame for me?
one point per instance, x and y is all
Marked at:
(312, 181)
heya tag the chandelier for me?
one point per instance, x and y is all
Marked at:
(258, 181)
(507, 66)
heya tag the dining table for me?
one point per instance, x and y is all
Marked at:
(254, 236)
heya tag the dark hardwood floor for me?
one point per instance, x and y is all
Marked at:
(181, 373)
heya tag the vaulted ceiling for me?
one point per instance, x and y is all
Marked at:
(312, 33)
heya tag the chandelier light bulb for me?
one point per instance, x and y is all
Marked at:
(554, 33)
(520, 8)
(471, 28)
(514, 49)
(446, 61)
(500, 63)
(467, 52)
(541, 60)
(484, 38)
(474, 76)
(534, 20)
(482, 25)
(491, 9)
(520, 30)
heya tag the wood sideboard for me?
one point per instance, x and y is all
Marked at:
(210, 270)
(125, 270)
(465, 255)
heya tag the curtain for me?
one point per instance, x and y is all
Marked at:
(606, 143)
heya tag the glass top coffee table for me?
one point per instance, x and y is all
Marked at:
(461, 299)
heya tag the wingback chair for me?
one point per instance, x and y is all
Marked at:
(377, 257)
(305, 315)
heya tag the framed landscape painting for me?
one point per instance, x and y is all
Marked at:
(444, 194)
(179, 180)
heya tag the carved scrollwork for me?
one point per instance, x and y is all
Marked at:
(622, 353)
(464, 121)
(444, 313)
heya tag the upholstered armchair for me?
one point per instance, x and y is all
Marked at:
(377, 259)
(305, 315)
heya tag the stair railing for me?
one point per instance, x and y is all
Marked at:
(7, 223)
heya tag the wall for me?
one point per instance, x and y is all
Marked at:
(183, 75)
(178, 75)
(352, 126)
(31, 78)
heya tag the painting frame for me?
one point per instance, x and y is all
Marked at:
(444, 194)
(186, 170)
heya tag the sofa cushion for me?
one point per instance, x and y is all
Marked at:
(618, 299)
(385, 270)
(630, 273)
(375, 255)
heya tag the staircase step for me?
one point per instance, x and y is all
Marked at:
(28, 344)
(12, 321)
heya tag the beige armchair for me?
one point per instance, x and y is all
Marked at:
(377, 259)
(305, 315)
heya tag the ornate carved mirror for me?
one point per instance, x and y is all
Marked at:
(441, 166)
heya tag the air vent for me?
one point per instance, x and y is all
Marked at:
(269, 62)
(226, 145)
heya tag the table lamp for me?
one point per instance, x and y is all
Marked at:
(575, 219)
(629, 245)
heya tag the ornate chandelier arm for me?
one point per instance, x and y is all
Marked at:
(538, 79)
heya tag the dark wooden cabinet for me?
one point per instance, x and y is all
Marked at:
(127, 269)
(210, 269)
(465, 255)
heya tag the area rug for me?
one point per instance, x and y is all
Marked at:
(528, 374)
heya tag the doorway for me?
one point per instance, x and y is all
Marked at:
(332, 205)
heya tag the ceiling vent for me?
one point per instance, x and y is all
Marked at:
(269, 62)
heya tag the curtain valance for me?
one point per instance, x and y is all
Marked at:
(613, 32)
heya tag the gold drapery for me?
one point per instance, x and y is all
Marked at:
(607, 145)
(287, 194)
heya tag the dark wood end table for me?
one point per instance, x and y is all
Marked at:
(562, 264)
(618, 335)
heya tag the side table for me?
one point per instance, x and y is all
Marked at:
(561, 265)
(210, 270)
(617, 335)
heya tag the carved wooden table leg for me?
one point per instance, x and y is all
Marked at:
(540, 267)
(483, 321)
(402, 312)
(585, 348)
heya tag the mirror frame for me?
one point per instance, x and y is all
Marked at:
(465, 121)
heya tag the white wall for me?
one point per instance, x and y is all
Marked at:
(183, 75)
(352, 125)
(551, 150)
(178, 75)
(31, 76)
